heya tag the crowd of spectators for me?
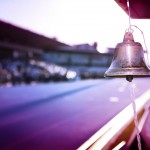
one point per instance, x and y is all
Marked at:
(25, 72)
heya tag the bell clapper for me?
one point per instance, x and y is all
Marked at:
(129, 78)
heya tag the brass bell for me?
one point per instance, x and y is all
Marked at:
(128, 60)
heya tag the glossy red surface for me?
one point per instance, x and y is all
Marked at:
(139, 8)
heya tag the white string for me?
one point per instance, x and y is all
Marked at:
(128, 5)
(132, 91)
(131, 31)
(132, 87)
(146, 50)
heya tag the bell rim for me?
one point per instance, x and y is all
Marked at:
(124, 74)
(137, 72)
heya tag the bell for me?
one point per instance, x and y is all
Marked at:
(128, 60)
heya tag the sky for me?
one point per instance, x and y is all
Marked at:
(74, 21)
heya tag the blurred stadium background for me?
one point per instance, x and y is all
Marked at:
(27, 57)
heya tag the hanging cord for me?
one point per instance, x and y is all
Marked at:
(129, 14)
(146, 50)
(130, 30)
(134, 110)
(133, 104)
(132, 90)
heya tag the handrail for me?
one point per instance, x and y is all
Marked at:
(107, 135)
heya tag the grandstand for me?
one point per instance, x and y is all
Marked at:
(18, 47)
